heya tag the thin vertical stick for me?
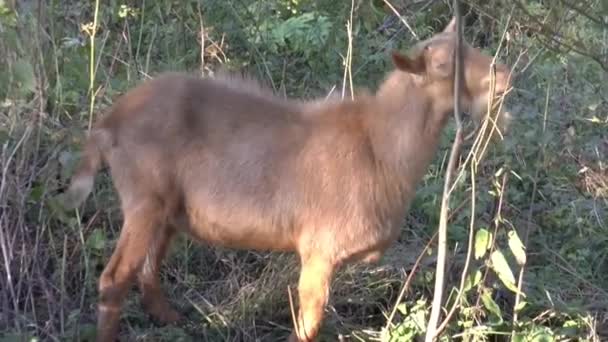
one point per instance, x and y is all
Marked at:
(443, 218)
(467, 263)
(349, 55)
(293, 312)
(92, 91)
(520, 278)
(406, 286)
(200, 18)
(401, 18)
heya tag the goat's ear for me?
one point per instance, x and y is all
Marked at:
(414, 65)
(451, 27)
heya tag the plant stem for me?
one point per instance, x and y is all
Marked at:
(92, 92)
(443, 218)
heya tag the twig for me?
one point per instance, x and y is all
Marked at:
(142, 16)
(482, 131)
(572, 271)
(200, 18)
(550, 34)
(253, 46)
(402, 19)
(467, 262)
(408, 280)
(529, 221)
(496, 220)
(149, 52)
(491, 103)
(92, 65)
(349, 54)
(293, 312)
(442, 243)
(5, 245)
(475, 157)
(587, 15)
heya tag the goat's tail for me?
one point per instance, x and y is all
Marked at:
(83, 179)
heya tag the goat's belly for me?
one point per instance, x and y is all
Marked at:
(239, 229)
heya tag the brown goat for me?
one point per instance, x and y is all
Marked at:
(236, 166)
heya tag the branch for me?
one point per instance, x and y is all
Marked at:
(443, 218)
(579, 10)
(408, 281)
(554, 36)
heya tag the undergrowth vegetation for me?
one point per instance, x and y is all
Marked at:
(535, 208)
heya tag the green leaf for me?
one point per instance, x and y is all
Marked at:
(472, 280)
(502, 269)
(571, 328)
(7, 15)
(36, 193)
(543, 337)
(402, 308)
(517, 247)
(518, 337)
(97, 240)
(490, 304)
(520, 306)
(482, 242)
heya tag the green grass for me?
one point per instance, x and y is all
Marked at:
(554, 196)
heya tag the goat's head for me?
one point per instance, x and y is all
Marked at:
(432, 60)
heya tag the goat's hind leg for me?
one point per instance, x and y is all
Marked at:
(153, 299)
(141, 224)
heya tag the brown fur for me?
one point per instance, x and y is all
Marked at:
(232, 165)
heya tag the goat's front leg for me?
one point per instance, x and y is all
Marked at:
(313, 289)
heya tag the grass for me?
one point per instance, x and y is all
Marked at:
(552, 189)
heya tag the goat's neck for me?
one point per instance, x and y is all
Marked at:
(406, 130)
